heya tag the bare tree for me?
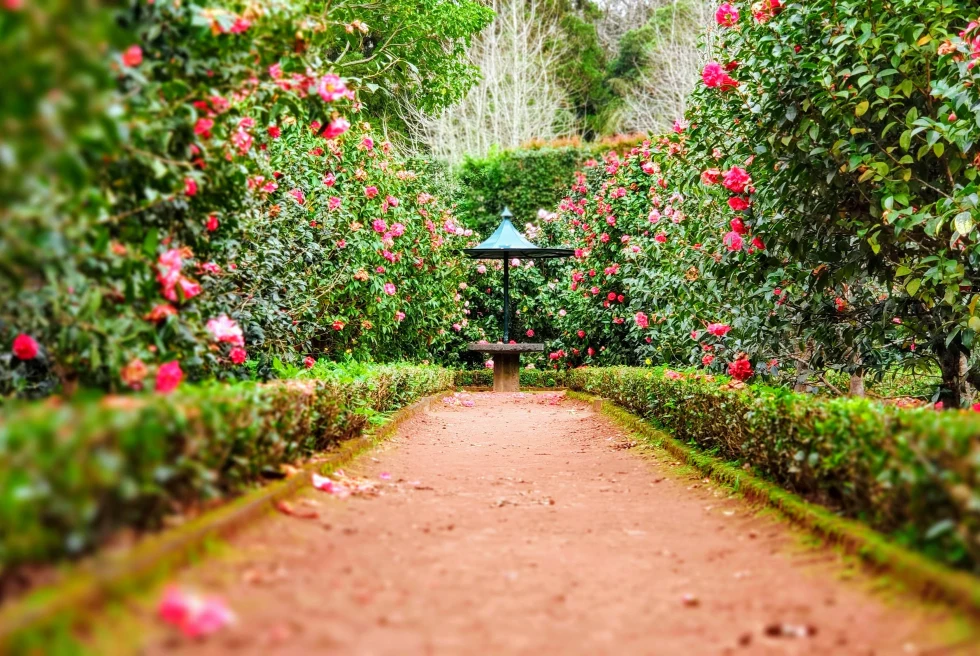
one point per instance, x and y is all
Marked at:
(674, 60)
(518, 97)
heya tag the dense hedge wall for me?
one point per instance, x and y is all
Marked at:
(73, 474)
(913, 474)
(524, 179)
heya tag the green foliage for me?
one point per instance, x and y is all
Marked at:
(909, 473)
(73, 474)
(143, 134)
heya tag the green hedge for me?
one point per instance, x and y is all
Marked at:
(913, 474)
(73, 474)
(529, 378)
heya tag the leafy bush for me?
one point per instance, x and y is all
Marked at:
(913, 474)
(73, 474)
(139, 198)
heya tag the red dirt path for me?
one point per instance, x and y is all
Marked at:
(517, 527)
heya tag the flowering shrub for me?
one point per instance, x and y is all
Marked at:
(140, 160)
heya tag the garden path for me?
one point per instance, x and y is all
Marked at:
(521, 526)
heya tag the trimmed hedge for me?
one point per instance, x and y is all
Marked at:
(529, 378)
(912, 474)
(73, 474)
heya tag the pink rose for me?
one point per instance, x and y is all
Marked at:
(169, 376)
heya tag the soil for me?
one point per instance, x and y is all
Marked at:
(521, 525)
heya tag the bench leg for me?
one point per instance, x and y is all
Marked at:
(507, 372)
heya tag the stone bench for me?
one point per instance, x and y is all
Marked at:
(506, 363)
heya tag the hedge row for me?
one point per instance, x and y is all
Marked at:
(73, 474)
(912, 474)
(524, 179)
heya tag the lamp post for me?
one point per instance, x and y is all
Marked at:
(506, 243)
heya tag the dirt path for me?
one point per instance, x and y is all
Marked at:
(517, 527)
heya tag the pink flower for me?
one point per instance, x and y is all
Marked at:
(169, 376)
(202, 127)
(390, 289)
(392, 201)
(329, 180)
(298, 195)
(481, 269)
(25, 347)
(718, 329)
(581, 334)
(530, 332)
(331, 88)
(333, 203)
(275, 71)
(223, 329)
(738, 203)
(488, 364)
(379, 226)
(711, 176)
(714, 76)
(399, 316)
(308, 362)
(337, 127)
(237, 355)
(190, 186)
(212, 223)
(680, 125)
(193, 615)
(367, 143)
(736, 179)
(661, 238)
(707, 359)
(671, 374)
(733, 241)
(397, 230)
(727, 15)
(132, 57)
(371, 192)
(642, 320)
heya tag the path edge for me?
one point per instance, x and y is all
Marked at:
(926, 578)
(91, 585)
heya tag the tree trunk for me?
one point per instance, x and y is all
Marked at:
(803, 368)
(856, 387)
(953, 363)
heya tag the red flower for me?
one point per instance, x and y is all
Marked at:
(758, 243)
(133, 56)
(25, 347)
(738, 226)
(238, 355)
(308, 362)
(741, 369)
(611, 296)
(169, 376)
(203, 128)
(707, 359)
(661, 238)
(274, 131)
(581, 334)
(530, 332)
(337, 127)
(736, 179)
(338, 325)
(738, 203)
(212, 223)
(190, 186)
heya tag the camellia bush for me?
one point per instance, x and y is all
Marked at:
(815, 209)
(164, 206)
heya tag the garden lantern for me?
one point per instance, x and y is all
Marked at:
(506, 243)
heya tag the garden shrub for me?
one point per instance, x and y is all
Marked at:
(72, 474)
(913, 474)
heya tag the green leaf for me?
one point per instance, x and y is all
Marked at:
(913, 285)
